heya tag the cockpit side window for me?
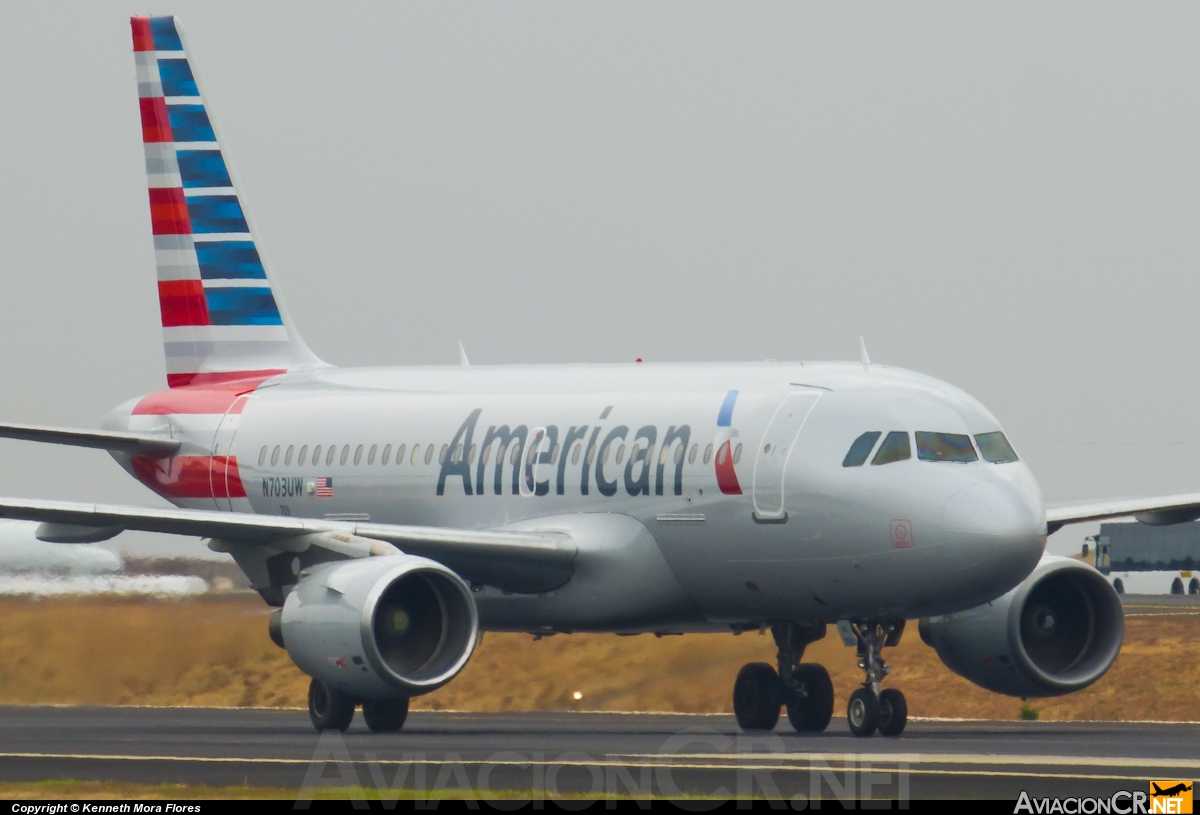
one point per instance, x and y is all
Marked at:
(945, 447)
(861, 448)
(895, 447)
(995, 448)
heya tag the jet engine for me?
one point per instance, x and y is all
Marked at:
(380, 627)
(1058, 631)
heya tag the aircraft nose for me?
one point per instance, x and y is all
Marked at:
(997, 530)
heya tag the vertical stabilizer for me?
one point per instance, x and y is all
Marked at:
(222, 320)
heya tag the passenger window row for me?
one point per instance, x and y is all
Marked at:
(930, 447)
(331, 455)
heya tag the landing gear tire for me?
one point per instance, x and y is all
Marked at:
(893, 712)
(757, 696)
(385, 715)
(329, 708)
(810, 708)
(862, 712)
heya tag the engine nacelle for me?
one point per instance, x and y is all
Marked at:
(1058, 631)
(380, 627)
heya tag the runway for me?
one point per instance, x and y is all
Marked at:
(596, 753)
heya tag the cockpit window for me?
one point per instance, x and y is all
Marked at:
(995, 448)
(861, 448)
(895, 447)
(945, 447)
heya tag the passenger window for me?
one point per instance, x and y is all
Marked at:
(287, 458)
(262, 456)
(399, 455)
(275, 456)
(945, 447)
(474, 450)
(371, 453)
(861, 448)
(329, 456)
(458, 451)
(995, 448)
(428, 453)
(708, 454)
(737, 454)
(620, 454)
(554, 453)
(895, 447)
(516, 455)
(387, 455)
(679, 454)
(316, 455)
(416, 455)
(303, 456)
(487, 453)
(591, 455)
(345, 454)
(442, 455)
(692, 454)
(575, 452)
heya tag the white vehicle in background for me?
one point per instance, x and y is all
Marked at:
(1142, 559)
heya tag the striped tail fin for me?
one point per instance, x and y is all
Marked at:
(221, 318)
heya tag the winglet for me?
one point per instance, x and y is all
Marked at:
(462, 356)
(862, 351)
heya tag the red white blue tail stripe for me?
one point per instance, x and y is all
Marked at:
(221, 320)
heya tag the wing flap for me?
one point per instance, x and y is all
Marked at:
(519, 561)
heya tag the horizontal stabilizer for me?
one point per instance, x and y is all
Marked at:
(520, 561)
(135, 444)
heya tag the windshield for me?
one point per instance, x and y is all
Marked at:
(861, 449)
(895, 447)
(995, 448)
(944, 447)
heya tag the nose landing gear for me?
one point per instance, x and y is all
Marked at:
(871, 708)
(805, 689)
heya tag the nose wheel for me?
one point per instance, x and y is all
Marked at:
(803, 688)
(870, 708)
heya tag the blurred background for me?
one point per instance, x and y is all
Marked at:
(1004, 197)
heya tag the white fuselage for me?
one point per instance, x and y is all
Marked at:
(752, 514)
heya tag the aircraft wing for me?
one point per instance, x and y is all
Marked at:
(1158, 511)
(525, 561)
(137, 444)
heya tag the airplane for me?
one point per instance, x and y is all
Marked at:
(392, 514)
(1169, 792)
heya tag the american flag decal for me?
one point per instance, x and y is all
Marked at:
(324, 487)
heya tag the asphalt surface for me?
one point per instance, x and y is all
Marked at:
(1162, 605)
(592, 752)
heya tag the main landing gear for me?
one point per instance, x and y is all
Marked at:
(804, 688)
(331, 709)
(870, 708)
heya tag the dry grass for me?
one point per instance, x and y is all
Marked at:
(210, 651)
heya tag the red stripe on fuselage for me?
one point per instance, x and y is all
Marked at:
(213, 397)
(143, 40)
(156, 126)
(191, 476)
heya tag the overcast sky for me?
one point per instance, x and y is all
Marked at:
(1004, 196)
